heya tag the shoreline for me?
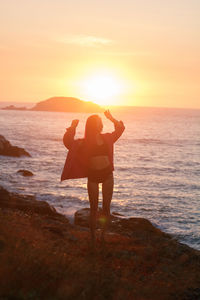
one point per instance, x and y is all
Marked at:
(70, 216)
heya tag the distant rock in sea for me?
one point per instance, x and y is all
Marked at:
(25, 173)
(67, 104)
(13, 107)
(9, 150)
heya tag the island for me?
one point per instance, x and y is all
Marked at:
(61, 104)
(67, 104)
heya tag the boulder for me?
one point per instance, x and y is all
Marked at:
(25, 173)
(81, 217)
(26, 203)
(137, 227)
(9, 150)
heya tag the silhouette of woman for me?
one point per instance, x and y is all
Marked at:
(92, 157)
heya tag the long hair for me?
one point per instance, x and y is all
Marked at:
(93, 126)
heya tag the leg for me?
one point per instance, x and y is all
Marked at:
(93, 193)
(107, 190)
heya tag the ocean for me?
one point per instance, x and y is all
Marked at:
(157, 165)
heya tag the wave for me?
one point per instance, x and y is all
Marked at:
(148, 141)
(151, 141)
(154, 170)
(61, 199)
(148, 170)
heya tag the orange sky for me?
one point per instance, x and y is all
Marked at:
(150, 50)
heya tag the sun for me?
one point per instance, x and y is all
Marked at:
(102, 88)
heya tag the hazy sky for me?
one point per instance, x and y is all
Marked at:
(151, 49)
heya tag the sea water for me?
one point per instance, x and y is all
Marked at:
(157, 165)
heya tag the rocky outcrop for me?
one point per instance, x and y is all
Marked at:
(42, 256)
(164, 264)
(9, 150)
(25, 203)
(67, 104)
(126, 226)
(25, 173)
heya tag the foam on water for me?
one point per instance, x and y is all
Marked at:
(157, 165)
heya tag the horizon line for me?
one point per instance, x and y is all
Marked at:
(102, 106)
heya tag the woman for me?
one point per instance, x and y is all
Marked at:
(92, 157)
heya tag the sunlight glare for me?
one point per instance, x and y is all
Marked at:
(102, 88)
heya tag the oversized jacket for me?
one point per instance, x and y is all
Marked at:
(76, 163)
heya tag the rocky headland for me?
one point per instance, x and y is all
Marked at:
(43, 256)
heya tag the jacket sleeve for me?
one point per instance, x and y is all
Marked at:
(68, 137)
(119, 129)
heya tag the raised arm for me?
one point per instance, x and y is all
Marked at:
(68, 137)
(119, 126)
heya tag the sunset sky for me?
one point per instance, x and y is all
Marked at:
(143, 53)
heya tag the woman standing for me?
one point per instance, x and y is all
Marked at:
(92, 157)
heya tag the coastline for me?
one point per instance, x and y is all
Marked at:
(162, 182)
(44, 256)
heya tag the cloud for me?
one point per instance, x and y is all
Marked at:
(131, 53)
(87, 41)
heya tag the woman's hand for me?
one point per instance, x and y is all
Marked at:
(74, 123)
(108, 115)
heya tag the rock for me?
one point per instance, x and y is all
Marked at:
(13, 107)
(55, 229)
(139, 227)
(9, 150)
(37, 250)
(184, 258)
(2, 245)
(5, 195)
(27, 203)
(25, 173)
(81, 217)
(191, 294)
(114, 213)
(162, 267)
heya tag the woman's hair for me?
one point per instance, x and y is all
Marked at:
(92, 127)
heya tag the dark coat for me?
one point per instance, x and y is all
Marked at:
(76, 163)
